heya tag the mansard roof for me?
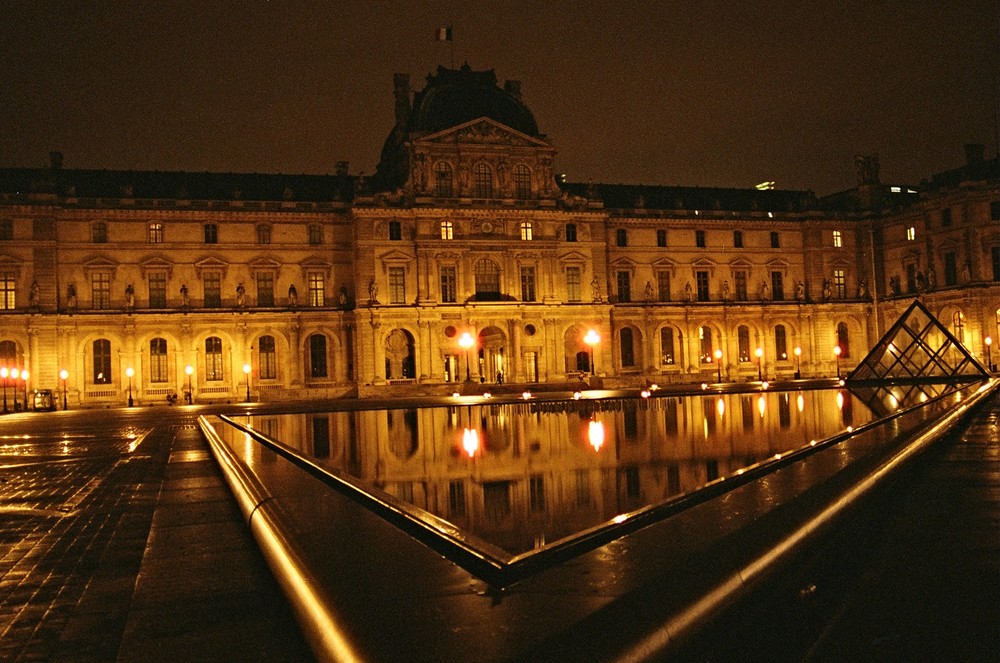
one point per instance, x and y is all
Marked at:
(640, 197)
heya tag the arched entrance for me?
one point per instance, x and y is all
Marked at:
(400, 359)
(493, 355)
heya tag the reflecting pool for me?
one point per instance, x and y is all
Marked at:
(522, 475)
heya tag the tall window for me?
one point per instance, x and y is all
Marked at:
(315, 234)
(663, 286)
(522, 181)
(621, 237)
(265, 289)
(701, 280)
(911, 233)
(624, 287)
(213, 359)
(777, 286)
(572, 284)
(100, 290)
(158, 360)
(951, 268)
(395, 231)
(317, 289)
(102, 361)
(213, 289)
(155, 233)
(627, 347)
(449, 279)
(527, 284)
(211, 233)
(267, 358)
(570, 232)
(99, 232)
(743, 343)
(8, 298)
(157, 289)
(740, 279)
(738, 239)
(838, 240)
(699, 238)
(661, 237)
(526, 231)
(843, 339)
(264, 234)
(839, 284)
(705, 336)
(487, 276)
(958, 322)
(775, 240)
(483, 181)
(317, 356)
(442, 180)
(667, 346)
(780, 346)
(447, 230)
(397, 285)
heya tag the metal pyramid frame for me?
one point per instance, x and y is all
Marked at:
(918, 348)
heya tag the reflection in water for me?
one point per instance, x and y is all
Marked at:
(519, 475)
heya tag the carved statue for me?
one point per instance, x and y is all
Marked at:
(129, 296)
(931, 278)
(921, 281)
(862, 289)
(725, 291)
(688, 292)
(765, 291)
(241, 294)
(800, 291)
(595, 288)
(185, 300)
(293, 296)
(33, 294)
(343, 296)
(894, 285)
(648, 292)
(372, 292)
(71, 295)
(827, 289)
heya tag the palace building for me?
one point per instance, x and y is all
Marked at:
(466, 255)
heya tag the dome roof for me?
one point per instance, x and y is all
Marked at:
(456, 96)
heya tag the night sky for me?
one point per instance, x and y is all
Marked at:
(678, 93)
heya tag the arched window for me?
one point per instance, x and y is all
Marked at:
(706, 344)
(627, 343)
(317, 356)
(843, 339)
(743, 342)
(267, 358)
(442, 180)
(522, 181)
(487, 281)
(780, 345)
(958, 322)
(158, 360)
(213, 359)
(483, 181)
(102, 361)
(667, 346)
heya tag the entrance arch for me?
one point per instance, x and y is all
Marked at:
(400, 358)
(493, 355)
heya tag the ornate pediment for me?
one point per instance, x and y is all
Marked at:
(482, 131)
(155, 263)
(99, 263)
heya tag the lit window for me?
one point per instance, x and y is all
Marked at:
(102, 361)
(838, 239)
(839, 284)
(911, 233)
(213, 359)
(7, 292)
(447, 230)
(158, 360)
(155, 233)
(317, 290)
(526, 230)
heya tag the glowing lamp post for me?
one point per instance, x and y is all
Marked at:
(64, 375)
(798, 367)
(989, 353)
(591, 338)
(465, 341)
(718, 363)
(129, 373)
(189, 370)
(760, 356)
(246, 372)
(836, 352)
(3, 375)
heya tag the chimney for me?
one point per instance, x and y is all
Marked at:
(341, 168)
(401, 85)
(55, 160)
(513, 88)
(974, 153)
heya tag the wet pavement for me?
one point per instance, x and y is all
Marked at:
(120, 541)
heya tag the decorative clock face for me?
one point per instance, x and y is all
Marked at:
(487, 227)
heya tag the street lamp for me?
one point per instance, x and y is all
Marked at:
(14, 373)
(465, 341)
(760, 354)
(836, 351)
(3, 374)
(189, 370)
(718, 363)
(246, 372)
(63, 375)
(798, 367)
(129, 372)
(989, 353)
(592, 338)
